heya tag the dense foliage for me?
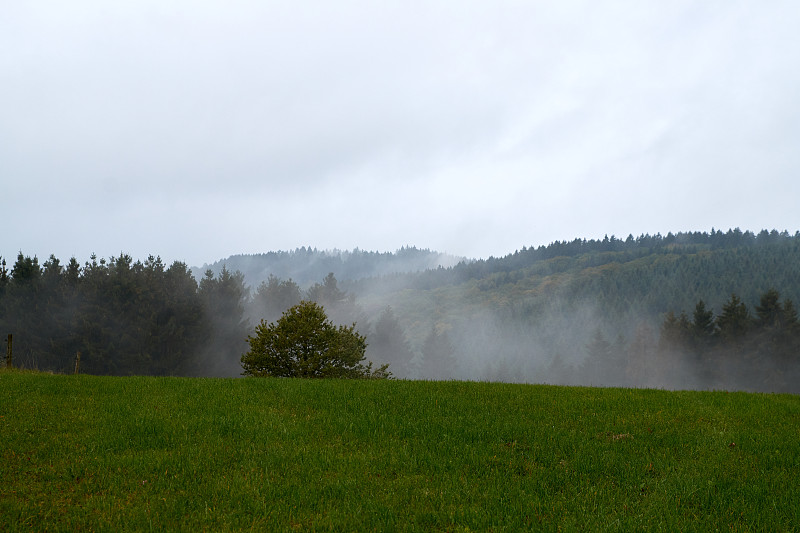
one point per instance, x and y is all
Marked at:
(534, 315)
(760, 351)
(304, 343)
(307, 265)
(123, 317)
(126, 317)
(579, 312)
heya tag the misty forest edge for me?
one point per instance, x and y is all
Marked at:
(686, 310)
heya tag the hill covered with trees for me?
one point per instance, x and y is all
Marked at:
(580, 312)
(535, 315)
(306, 266)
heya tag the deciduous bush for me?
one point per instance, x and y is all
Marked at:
(304, 343)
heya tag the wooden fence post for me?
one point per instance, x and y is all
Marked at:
(9, 363)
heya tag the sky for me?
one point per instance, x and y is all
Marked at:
(194, 130)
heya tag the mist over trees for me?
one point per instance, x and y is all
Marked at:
(531, 316)
(124, 317)
(689, 310)
(309, 265)
(127, 317)
(389, 346)
(756, 351)
(224, 298)
(273, 297)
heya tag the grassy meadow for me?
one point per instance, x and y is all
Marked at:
(84, 453)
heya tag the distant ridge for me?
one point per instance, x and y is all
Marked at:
(309, 265)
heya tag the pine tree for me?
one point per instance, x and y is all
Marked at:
(703, 326)
(223, 301)
(388, 345)
(769, 313)
(273, 297)
(605, 361)
(734, 322)
(438, 356)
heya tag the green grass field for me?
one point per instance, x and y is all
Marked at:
(83, 453)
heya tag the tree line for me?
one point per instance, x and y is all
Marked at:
(529, 316)
(758, 350)
(129, 317)
(123, 317)
(735, 349)
(595, 253)
(308, 265)
(585, 312)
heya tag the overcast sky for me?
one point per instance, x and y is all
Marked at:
(195, 130)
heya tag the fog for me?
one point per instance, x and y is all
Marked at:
(575, 342)
(307, 266)
(607, 325)
(196, 131)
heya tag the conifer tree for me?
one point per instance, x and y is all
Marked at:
(438, 356)
(388, 345)
(734, 322)
(223, 300)
(273, 297)
(702, 324)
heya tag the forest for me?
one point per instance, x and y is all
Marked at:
(653, 311)
(306, 265)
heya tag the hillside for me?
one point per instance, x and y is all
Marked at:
(308, 265)
(579, 312)
(530, 315)
(647, 275)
